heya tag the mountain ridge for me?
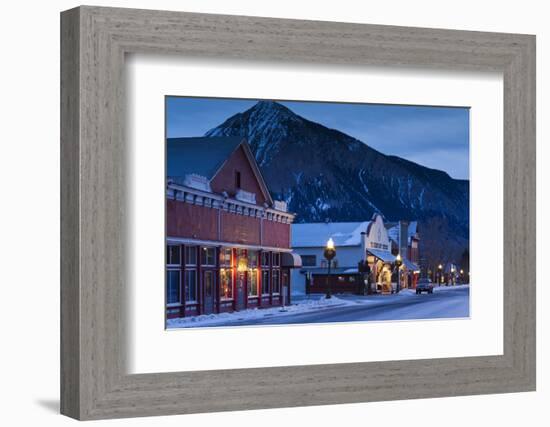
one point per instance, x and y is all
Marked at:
(325, 174)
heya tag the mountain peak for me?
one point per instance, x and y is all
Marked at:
(270, 107)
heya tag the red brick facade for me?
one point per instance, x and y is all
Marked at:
(225, 178)
(224, 252)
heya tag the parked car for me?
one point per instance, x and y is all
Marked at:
(424, 285)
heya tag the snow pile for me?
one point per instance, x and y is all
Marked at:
(306, 305)
(443, 288)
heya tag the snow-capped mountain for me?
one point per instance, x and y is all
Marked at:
(324, 174)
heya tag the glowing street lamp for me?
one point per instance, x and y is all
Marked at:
(330, 253)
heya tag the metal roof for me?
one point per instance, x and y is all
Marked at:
(314, 235)
(201, 156)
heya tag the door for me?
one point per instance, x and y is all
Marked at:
(208, 292)
(241, 294)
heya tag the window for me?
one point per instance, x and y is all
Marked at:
(276, 259)
(265, 259)
(309, 260)
(252, 259)
(190, 255)
(173, 255)
(172, 286)
(208, 256)
(226, 283)
(276, 282)
(237, 179)
(225, 256)
(190, 285)
(265, 282)
(253, 283)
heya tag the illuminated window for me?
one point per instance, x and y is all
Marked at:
(226, 283)
(225, 257)
(253, 283)
(252, 259)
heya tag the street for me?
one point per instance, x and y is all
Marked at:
(445, 302)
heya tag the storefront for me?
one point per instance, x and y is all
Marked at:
(228, 242)
(206, 280)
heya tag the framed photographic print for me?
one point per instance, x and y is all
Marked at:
(324, 212)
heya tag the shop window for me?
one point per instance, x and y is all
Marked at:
(309, 260)
(253, 283)
(190, 255)
(225, 257)
(265, 259)
(190, 285)
(208, 256)
(252, 259)
(276, 259)
(265, 282)
(276, 282)
(173, 287)
(226, 283)
(173, 255)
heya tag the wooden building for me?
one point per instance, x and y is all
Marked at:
(227, 240)
(366, 242)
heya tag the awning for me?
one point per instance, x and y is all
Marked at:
(382, 255)
(291, 260)
(410, 265)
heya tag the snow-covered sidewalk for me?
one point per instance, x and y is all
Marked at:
(315, 303)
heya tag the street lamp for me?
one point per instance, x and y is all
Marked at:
(452, 276)
(440, 269)
(329, 253)
(398, 262)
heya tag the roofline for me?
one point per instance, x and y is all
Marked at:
(255, 168)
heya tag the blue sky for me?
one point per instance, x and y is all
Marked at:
(436, 137)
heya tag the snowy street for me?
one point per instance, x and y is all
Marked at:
(445, 302)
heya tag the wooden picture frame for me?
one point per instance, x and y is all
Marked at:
(94, 382)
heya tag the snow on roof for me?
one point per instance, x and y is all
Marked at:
(314, 235)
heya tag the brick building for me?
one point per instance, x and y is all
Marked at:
(227, 240)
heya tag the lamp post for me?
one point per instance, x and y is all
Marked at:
(439, 269)
(329, 253)
(453, 276)
(398, 263)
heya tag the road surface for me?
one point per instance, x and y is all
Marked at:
(446, 303)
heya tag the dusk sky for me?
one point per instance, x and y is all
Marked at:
(436, 137)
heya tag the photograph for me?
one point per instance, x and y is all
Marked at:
(286, 212)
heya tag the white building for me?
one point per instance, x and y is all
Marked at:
(355, 242)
